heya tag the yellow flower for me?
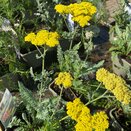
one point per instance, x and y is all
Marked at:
(81, 12)
(100, 121)
(122, 94)
(52, 39)
(34, 41)
(82, 127)
(115, 84)
(43, 37)
(101, 74)
(84, 21)
(84, 115)
(65, 79)
(74, 108)
(62, 9)
(52, 42)
(85, 121)
(92, 10)
(127, 98)
(30, 37)
(119, 92)
(54, 35)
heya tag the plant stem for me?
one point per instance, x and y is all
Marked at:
(82, 36)
(51, 84)
(96, 89)
(66, 23)
(73, 93)
(108, 96)
(43, 61)
(103, 95)
(57, 102)
(39, 50)
(43, 72)
(74, 33)
(59, 96)
(64, 118)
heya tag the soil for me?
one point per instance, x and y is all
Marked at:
(67, 94)
(101, 52)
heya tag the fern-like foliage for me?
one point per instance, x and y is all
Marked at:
(46, 12)
(40, 115)
(27, 96)
(70, 61)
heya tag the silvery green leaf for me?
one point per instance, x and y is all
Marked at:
(31, 72)
(37, 56)
(15, 122)
(118, 32)
(24, 116)
(77, 46)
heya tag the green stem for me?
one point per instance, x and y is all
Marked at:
(57, 102)
(88, 49)
(103, 95)
(64, 118)
(74, 33)
(43, 72)
(73, 93)
(92, 85)
(82, 36)
(66, 22)
(60, 96)
(108, 96)
(39, 50)
(96, 89)
(43, 62)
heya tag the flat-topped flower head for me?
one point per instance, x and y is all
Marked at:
(74, 108)
(85, 120)
(81, 126)
(81, 12)
(43, 37)
(30, 37)
(62, 9)
(115, 84)
(100, 121)
(65, 79)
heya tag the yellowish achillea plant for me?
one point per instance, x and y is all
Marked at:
(43, 37)
(81, 12)
(85, 121)
(115, 84)
(65, 79)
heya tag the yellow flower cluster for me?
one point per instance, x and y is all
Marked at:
(62, 9)
(65, 79)
(85, 121)
(115, 84)
(43, 37)
(99, 121)
(81, 12)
